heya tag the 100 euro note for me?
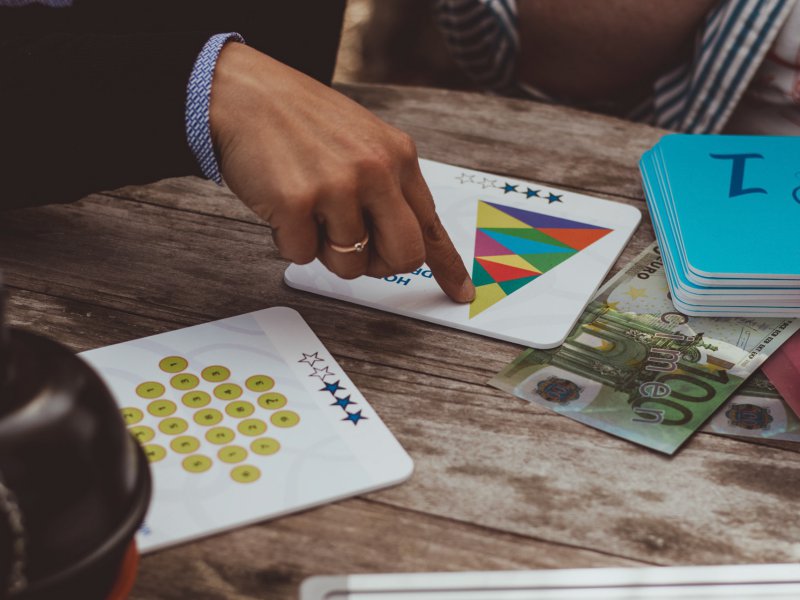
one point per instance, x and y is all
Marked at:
(635, 367)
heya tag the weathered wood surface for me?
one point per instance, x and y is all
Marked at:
(499, 483)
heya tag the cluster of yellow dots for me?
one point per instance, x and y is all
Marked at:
(242, 415)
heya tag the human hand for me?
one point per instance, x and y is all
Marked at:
(322, 170)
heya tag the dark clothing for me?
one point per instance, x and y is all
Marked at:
(93, 96)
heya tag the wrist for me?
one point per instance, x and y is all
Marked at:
(231, 91)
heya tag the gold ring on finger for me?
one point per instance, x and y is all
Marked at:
(358, 247)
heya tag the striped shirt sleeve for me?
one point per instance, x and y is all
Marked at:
(482, 38)
(696, 97)
(700, 96)
(198, 104)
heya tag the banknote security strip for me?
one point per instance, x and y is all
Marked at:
(735, 582)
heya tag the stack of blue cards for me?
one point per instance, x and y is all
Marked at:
(726, 213)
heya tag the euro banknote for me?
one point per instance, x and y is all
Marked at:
(756, 410)
(635, 367)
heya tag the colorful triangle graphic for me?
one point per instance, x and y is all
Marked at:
(486, 246)
(514, 247)
(500, 272)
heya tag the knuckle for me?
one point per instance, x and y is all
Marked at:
(302, 257)
(407, 148)
(375, 161)
(350, 271)
(296, 254)
(407, 263)
(344, 184)
(302, 201)
(379, 273)
(301, 204)
(433, 230)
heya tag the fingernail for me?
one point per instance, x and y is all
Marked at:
(467, 291)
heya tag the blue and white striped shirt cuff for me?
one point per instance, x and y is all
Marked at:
(198, 103)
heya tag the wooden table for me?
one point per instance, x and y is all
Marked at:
(499, 483)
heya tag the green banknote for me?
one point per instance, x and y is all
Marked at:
(756, 410)
(635, 367)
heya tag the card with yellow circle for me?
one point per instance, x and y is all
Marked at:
(244, 419)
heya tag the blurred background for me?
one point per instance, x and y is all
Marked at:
(395, 41)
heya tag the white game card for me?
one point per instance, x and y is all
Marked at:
(244, 419)
(536, 255)
(729, 582)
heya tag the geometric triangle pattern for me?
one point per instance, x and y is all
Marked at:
(513, 247)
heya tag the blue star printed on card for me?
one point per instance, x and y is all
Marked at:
(508, 188)
(354, 418)
(343, 402)
(332, 387)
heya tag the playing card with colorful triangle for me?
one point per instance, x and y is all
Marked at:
(536, 255)
(513, 247)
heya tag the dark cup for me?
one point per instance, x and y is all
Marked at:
(74, 485)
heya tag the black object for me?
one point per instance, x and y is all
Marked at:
(94, 95)
(74, 485)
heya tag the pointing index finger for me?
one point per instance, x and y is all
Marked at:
(441, 256)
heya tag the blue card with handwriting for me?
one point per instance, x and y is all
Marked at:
(737, 203)
(724, 211)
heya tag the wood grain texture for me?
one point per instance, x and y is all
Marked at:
(270, 560)
(560, 146)
(499, 483)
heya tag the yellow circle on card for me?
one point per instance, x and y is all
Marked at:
(154, 452)
(142, 433)
(173, 426)
(215, 373)
(131, 415)
(150, 390)
(245, 474)
(185, 444)
(285, 418)
(173, 364)
(196, 463)
(196, 399)
(184, 381)
(272, 401)
(207, 417)
(228, 391)
(259, 383)
(265, 446)
(240, 409)
(252, 427)
(220, 435)
(232, 454)
(161, 408)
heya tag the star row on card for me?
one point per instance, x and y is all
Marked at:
(726, 211)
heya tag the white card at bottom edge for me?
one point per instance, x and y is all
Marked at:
(739, 582)
(536, 255)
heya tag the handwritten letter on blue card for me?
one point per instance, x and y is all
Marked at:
(737, 202)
